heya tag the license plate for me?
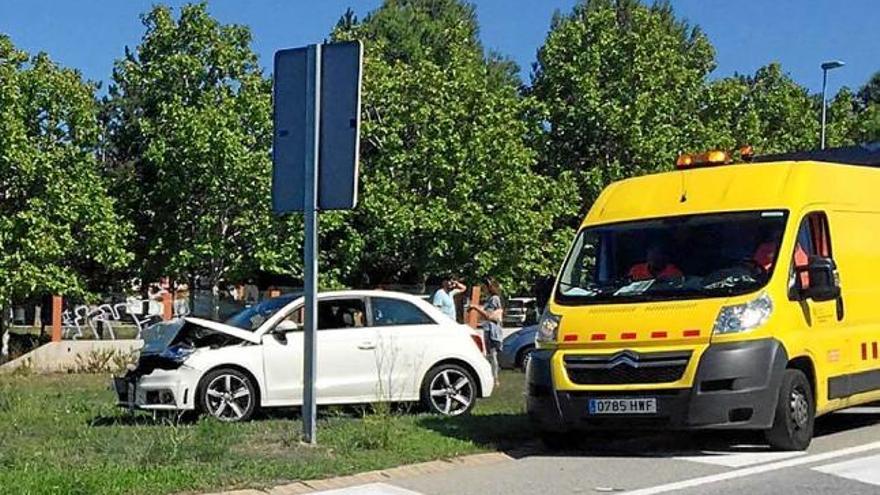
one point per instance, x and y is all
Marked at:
(623, 406)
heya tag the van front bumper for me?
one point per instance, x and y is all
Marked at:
(736, 387)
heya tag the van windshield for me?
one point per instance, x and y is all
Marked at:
(683, 257)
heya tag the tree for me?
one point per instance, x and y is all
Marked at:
(57, 220)
(867, 126)
(768, 111)
(447, 173)
(621, 84)
(189, 134)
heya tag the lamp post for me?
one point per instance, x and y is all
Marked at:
(826, 66)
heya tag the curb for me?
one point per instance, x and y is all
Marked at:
(381, 475)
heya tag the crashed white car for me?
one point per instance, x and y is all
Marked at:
(372, 346)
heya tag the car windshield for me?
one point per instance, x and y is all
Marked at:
(681, 257)
(251, 318)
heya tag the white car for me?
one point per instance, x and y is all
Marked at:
(372, 346)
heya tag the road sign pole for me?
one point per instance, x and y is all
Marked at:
(310, 256)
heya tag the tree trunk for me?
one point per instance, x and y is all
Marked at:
(4, 332)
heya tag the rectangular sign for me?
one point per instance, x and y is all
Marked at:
(339, 122)
(339, 141)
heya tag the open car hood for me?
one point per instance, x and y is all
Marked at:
(160, 336)
(225, 329)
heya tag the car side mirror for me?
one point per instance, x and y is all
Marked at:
(824, 281)
(285, 326)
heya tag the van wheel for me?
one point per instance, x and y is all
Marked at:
(228, 395)
(795, 413)
(449, 390)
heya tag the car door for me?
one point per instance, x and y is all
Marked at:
(346, 362)
(406, 346)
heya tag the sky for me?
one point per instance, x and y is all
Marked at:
(747, 34)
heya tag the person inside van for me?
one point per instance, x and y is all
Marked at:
(765, 254)
(656, 265)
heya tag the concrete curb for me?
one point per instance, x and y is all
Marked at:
(382, 475)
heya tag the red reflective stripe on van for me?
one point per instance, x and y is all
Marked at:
(570, 337)
(691, 333)
(597, 336)
(864, 351)
(628, 336)
(874, 349)
(658, 335)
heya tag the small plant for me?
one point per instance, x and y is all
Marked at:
(104, 361)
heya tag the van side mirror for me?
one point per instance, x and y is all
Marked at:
(824, 281)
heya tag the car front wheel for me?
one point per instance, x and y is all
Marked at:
(449, 389)
(228, 395)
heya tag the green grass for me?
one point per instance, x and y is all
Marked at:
(62, 434)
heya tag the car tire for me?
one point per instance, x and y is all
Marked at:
(449, 390)
(228, 395)
(525, 354)
(795, 413)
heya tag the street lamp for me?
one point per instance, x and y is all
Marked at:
(826, 66)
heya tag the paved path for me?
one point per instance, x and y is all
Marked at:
(844, 459)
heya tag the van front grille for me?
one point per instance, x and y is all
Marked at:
(627, 367)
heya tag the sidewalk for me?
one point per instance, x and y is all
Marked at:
(377, 477)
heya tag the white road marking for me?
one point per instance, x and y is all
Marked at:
(370, 489)
(739, 459)
(863, 469)
(750, 471)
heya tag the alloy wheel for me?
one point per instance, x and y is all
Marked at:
(228, 397)
(451, 392)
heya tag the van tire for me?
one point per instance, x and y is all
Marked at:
(795, 413)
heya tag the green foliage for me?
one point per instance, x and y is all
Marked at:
(447, 173)
(57, 220)
(189, 124)
(768, 111)
(620, 84)
(63, 434)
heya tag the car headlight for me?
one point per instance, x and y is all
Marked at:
(547, 327)
(177, 353)
(743, 317)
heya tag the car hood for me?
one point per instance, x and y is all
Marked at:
(160, 336)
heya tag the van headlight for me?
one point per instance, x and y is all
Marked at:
(743, 317)
(547, 327)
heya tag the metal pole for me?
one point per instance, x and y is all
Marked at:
(310, 256)
(824, 84)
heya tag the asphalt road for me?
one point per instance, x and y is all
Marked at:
(843, 459)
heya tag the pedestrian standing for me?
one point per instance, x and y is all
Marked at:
(444, 297)
(251, 293)
(491, 313)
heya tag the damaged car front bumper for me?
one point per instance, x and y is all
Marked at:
(158, 390)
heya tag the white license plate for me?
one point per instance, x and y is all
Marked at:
(623, 406)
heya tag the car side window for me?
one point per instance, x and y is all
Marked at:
(341, 313)
(391, 312)
(813, 239)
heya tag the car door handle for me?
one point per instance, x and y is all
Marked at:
(366, 346)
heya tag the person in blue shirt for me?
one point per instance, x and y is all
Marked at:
(444, 298)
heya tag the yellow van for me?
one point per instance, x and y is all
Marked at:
(717, 296)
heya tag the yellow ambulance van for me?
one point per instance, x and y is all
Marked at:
(717, 296)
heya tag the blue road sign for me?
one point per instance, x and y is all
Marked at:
(339, 120)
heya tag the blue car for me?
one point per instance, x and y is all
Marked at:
(517, 347)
